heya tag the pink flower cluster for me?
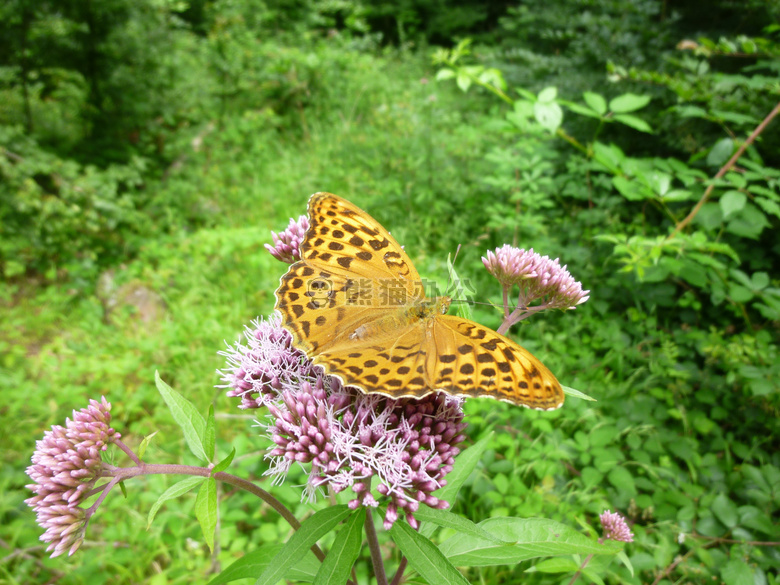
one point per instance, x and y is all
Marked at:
(615, 527)
(65, 466)
(287, 245)
(538, 277)
(347, 438)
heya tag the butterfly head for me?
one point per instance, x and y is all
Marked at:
(427, 308)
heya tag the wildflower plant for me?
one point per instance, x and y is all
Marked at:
(364, 454)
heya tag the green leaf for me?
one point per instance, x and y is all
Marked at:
(255, 562)
(424, 557)
(549, 115)
(633, 122)
(461, 290)
(721, 152)
(749, 222)
(628, 102)
(577, 394)
(225, 463)
(622, 479)
(443, 74)
(591, 476)
(303, 539)
(532, 538)
(547, 95)
(596, 102)
(731, 202)
(206, 510)
(459, 523)
(172, 492)
(626, 561)
(631, 189)
(210, 436)
(464, 81)
(556, 565)
(737, 572)
(144, 444)
(345, 549)
(465, 463)
(755, 519)
(186, 416)
(725, 510)
(579, 109)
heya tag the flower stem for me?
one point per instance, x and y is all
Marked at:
(121, 473)
(400, 572)
(579, 571)
(376, 553)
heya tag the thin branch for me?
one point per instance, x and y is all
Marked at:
(723, 170)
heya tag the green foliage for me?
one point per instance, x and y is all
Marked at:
(658, 438)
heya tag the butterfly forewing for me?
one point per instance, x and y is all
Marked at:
(343, 236)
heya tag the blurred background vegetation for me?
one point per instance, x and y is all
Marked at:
(147, 148)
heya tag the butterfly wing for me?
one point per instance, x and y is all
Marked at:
(352, 272)
(396, 363)
(477, 361)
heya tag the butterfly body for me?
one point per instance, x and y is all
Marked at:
(356, 306)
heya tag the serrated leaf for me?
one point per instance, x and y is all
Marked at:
(595, 102)
(532, 538)
(345, 549)
(206, 510)
(628, 102)
(443, 74)
(186, 416)
(176, 490)
(424, 557)
(303, 539)
(633, 122)
(225, 463)
(210, 435)
(255, 562)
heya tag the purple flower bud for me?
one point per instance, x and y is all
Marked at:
(287, 245)
(615, 527)
(65, 467)
(538, 277)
